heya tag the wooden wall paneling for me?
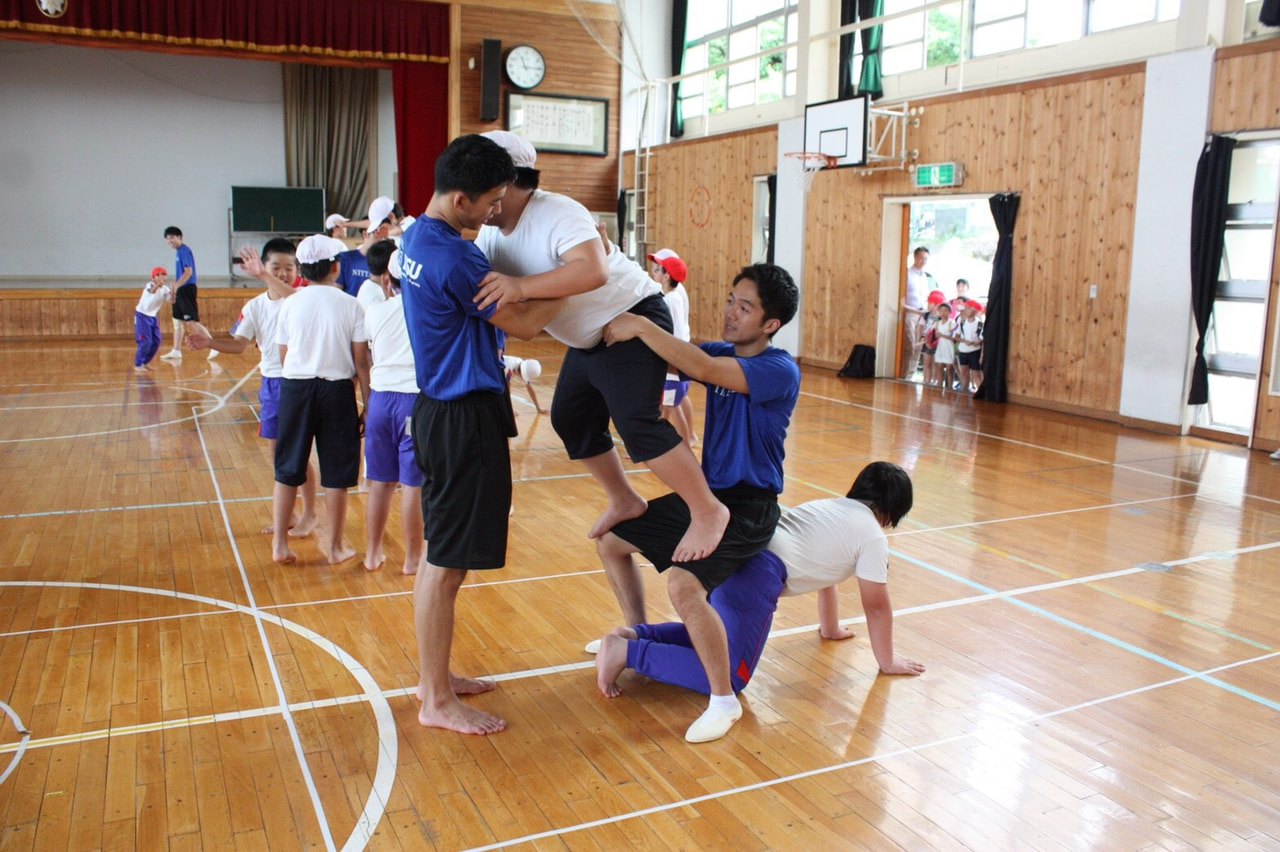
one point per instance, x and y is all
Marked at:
(576, 65)
(1245, 93)
(90, 314)
(682, 177)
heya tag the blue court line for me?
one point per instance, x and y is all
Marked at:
(1089, 631)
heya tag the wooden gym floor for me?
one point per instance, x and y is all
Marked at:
(1096, 607)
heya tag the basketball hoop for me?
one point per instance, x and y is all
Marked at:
(810, 163)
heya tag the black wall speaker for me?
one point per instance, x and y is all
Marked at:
(490, 76)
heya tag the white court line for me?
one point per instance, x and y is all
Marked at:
(875, 758)
(221, 402)
(1127, 466)
(19, 748)
(299, 752)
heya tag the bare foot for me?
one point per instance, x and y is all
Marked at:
(373, 561)
(702, 537)
(340, 553)
(610, 661)
(616, 513)
(305, 525)
(282, 554)
(469, 685)
(140, 370)
(411, 566)
(456, 716)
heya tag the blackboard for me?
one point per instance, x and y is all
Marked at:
(278, 209)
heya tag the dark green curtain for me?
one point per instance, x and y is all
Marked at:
(848, 14)
(679, 22)
(1208, 221)
(872, 39)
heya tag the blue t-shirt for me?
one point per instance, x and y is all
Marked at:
(184, 260)
(353, 271)
(455, 349)
(743, 436)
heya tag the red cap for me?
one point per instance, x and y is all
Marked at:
(975, 304)
(937, 297)
(158, 270)
(671, 262)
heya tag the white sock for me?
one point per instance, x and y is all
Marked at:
(727, 703)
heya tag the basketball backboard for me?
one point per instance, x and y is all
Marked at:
(838, 129)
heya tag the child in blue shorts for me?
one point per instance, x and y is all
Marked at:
(257, 325)
(146, 328)
(388, 442)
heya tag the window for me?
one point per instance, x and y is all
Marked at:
(923, 40)
(723, 38)
(1000, 26)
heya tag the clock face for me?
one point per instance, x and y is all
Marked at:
(525, 66)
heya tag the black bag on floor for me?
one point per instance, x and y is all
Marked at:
(861, 363)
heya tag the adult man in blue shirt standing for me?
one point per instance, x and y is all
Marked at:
(462, 417)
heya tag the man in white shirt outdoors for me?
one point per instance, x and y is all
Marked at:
(919, 283)
(323, 346)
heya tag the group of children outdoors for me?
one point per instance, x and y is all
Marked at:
(942, 338)
(425, 354)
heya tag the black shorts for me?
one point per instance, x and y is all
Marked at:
(623, 382)
(753, 516)
(324, 411)
(184, 304)
(461, 448)
(972, 360)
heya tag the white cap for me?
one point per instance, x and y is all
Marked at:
(334, 220)
(530, 370)
(319, 247)
(379, 210)
(522, 153)
(395, 264)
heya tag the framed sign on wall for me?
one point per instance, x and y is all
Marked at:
(564, 123)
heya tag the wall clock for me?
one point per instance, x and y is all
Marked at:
(525, 66)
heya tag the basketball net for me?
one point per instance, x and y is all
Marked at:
(809, 163)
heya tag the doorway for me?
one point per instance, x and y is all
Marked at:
(961, 238)
(1236, 333)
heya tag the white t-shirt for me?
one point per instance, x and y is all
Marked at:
(678, 304)
(551, 225)
(259, 322)
(967, 329)
(824, 542)
(917, 288)
(318, 324)
(389, 345)
(370, 293)
(150, 303)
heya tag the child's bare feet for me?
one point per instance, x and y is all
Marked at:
(702, 536)
(411, 566)
(616, 513)
(304, 526)
(373, 559)
(611, 659)
(339, 552)
(456, 716)
(282, 554)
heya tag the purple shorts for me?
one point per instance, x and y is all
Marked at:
(269, 407)
(674, 392)
(388, 441)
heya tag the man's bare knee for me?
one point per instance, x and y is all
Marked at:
(610, 546)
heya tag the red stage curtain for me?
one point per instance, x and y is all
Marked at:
(318, 31)
(422, 128)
